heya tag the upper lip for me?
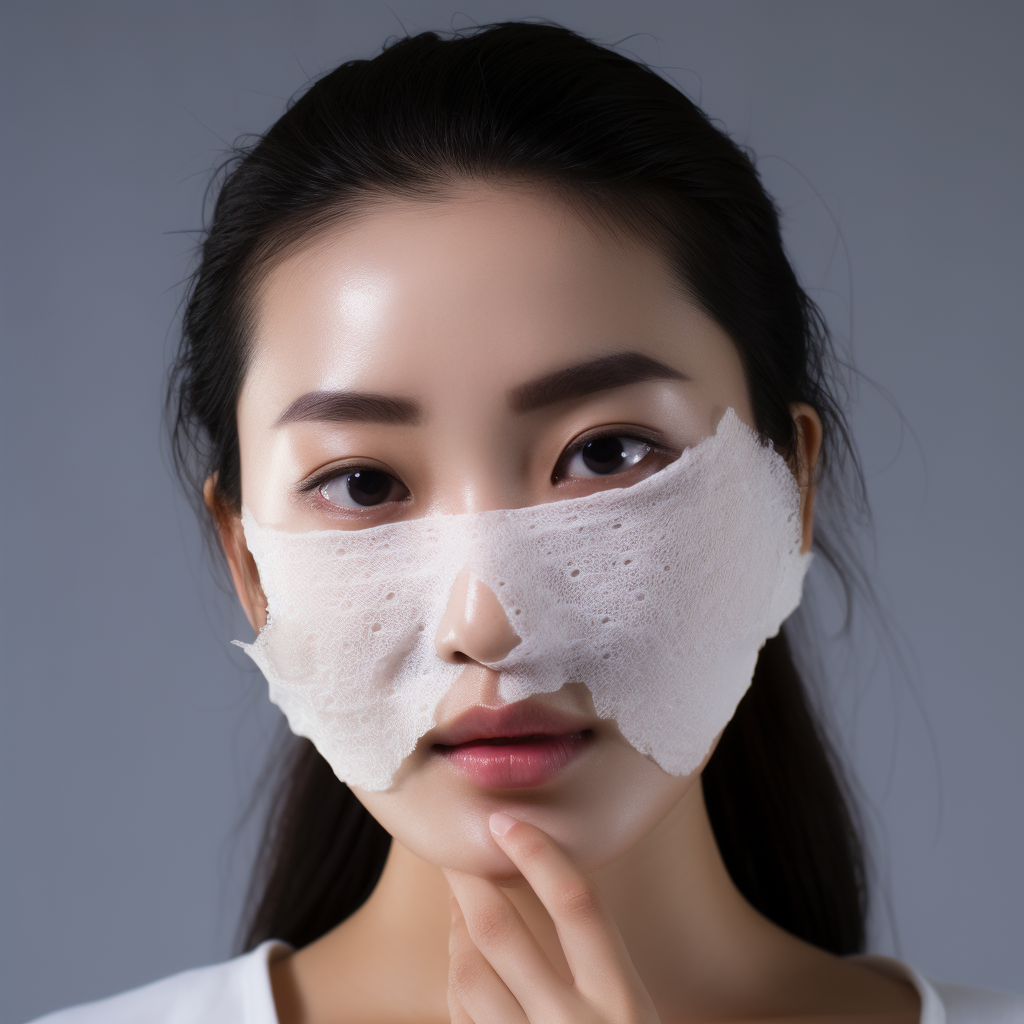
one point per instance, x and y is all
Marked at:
(519, 719)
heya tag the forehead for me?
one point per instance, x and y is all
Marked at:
(488, 287)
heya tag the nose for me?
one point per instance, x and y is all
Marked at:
(474, 626)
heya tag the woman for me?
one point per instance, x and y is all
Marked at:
(515, 271)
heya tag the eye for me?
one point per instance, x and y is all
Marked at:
(603, 456)
(362, 488)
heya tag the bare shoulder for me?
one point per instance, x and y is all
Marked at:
(810, 985)
(877, 996)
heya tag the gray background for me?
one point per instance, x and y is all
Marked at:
(132, 733)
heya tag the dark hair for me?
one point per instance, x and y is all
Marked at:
(538, 103)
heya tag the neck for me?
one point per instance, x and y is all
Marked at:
(688, 929)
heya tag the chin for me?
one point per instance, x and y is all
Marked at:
(597, 806)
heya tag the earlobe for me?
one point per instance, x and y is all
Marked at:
(242, 565)
(808, 447)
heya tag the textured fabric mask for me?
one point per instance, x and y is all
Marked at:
(657, 597)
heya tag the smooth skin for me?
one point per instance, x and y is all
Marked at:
(420, 340)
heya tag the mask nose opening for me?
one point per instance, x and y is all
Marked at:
(474, 626)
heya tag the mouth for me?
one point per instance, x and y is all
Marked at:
(518, 746)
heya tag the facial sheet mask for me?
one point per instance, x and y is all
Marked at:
(657, 597)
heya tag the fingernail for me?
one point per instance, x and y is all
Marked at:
(501, 822)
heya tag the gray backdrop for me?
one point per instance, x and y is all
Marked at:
(132, 732)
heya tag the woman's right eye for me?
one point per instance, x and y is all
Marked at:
(362, 488)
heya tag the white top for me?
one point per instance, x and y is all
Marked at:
(238, 992)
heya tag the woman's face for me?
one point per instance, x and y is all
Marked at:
(489, 351)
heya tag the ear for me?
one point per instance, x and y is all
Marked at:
(808, 447)
(244, 573)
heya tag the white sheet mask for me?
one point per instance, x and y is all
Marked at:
(657, 597)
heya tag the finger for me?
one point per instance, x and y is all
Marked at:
(456, 1011)
(475, 992)
(501, 935)
(597, 956)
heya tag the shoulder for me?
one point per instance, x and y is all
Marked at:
(235, 992)
(942, 1003)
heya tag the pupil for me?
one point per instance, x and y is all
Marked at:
(368, 486)
(603, 455)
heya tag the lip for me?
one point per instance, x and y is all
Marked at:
(514, 747)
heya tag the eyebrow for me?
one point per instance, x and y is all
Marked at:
(350, 406)
(602, 374)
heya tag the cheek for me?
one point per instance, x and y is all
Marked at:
(599, 811)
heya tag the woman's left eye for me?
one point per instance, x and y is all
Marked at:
(604, 456)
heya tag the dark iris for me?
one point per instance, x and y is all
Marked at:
(368, 486)
(603, 454)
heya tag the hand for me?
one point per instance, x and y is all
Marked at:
(498, 974)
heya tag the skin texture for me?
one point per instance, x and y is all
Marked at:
(608, 900)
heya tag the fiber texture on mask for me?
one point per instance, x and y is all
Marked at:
(657, 597)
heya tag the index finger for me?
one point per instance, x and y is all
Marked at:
(601, 967)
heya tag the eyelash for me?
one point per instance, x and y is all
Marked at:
(317, 481)
(314, 483)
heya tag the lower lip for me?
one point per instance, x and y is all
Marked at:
(515, 765)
